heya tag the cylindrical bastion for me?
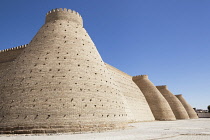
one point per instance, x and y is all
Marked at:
(176, 106)
(191, 112)
(158, 104)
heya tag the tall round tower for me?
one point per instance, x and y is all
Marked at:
(158, 104)
(176, 106)
(191, 112)
(59, 83)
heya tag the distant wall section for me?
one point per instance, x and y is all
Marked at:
(204, 115)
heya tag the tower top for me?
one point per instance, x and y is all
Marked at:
(178, 95)
(162, 87)
(140, 77)
(64, 14)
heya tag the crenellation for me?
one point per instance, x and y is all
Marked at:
(14, 48)
(140, 77)
(162, 86)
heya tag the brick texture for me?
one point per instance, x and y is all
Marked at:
(158, 104)
(191, 112)
(137, 105)
(176, 106)
(60, 80)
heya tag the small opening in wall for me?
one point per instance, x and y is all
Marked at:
(48, 116)
(36, 116)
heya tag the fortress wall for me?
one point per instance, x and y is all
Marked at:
(158, 104)
(176, 106)
(60, 83)
(191, 112)
(136, 102)
(8, 55)
(4, 68)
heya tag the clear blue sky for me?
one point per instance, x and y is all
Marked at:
(169, 40)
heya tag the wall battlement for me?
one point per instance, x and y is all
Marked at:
(178, 95)
(162, 87)
(10, 54)
(140, 77)
(64, 14)
(14, 48)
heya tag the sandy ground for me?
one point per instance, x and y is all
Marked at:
(197, 129)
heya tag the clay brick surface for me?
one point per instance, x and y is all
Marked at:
(137, 106)
(60, 79)
(176, 106)
(191, 112)
(158, 104)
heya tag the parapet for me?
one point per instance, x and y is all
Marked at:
(161, 87)
(14, 48)
(64, 14)
(140, 77)
(11, 53)
(178, 95)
